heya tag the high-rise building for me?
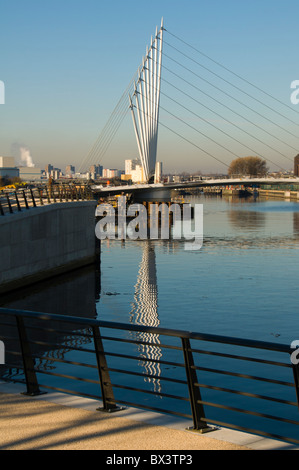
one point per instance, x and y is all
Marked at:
(130, 165)
(296, 165)
(70, 170)
(137, 175)
(96, 171)
(49, 168)
(158, 172)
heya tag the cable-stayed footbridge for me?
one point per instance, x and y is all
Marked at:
(203, 108)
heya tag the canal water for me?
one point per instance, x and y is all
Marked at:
(242, 283)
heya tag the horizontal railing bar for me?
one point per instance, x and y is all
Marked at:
(56, 331)
(151, 376)
(149, 329)
(250, 430)
(8, 324)
(152, 408)
(143, 343)
(59, 346)
(11, 366)
(246, 394)
(144, 359)
(64, 376)
(150, 392)
(248, 412)
(64, 361)
(245, 358)
(8, 338)
(245, 376)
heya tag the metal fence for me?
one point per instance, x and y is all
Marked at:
(195, 369)
(13, 201)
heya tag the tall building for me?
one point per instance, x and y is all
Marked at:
(70, 170)
(49, 168)
(8, 167)
(296, 165)
(137, 175)
(130, 165)
(96, 171)
(158, 172)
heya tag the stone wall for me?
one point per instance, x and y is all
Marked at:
(45, 241)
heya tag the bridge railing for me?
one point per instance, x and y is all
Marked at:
(14, 201)
(188, 373)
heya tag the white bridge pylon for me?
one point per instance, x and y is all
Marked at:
(144, 104)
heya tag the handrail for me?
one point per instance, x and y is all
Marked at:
(13, 201)
(152, 329)
(189, 361)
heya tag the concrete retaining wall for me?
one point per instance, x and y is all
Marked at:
(46, 241)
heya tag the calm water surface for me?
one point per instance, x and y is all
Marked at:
(243, 282)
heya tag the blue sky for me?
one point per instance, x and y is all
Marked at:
(65, 65)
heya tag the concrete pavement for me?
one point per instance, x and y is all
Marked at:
(57, 421)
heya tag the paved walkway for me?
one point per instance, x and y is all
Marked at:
(61, 422)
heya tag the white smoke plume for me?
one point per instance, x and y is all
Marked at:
(26, 157)
(22, 155)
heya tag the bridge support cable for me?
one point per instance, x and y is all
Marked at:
(147, 98)
(215, 127)
(233, 73)
(190, 142)
(106, 136)
(231, 84)
(227, 107)
(215, 87)
(212, 140)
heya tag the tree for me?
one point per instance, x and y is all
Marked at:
(251, 166)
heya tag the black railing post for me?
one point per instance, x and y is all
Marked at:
(25, 200)
(18, 203)
(40, 197)
(109, 404)
(28, 363)
(32, 197)
(1, 209)
(197, 408)
(9, 204)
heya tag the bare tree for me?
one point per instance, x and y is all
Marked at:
(251, 166)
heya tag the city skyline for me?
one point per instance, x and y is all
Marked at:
(66, 66)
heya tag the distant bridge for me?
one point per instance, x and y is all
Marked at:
(164, 187)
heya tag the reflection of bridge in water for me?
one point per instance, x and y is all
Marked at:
(145, 312)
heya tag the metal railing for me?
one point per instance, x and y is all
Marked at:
(35, 342)
(13, 201)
